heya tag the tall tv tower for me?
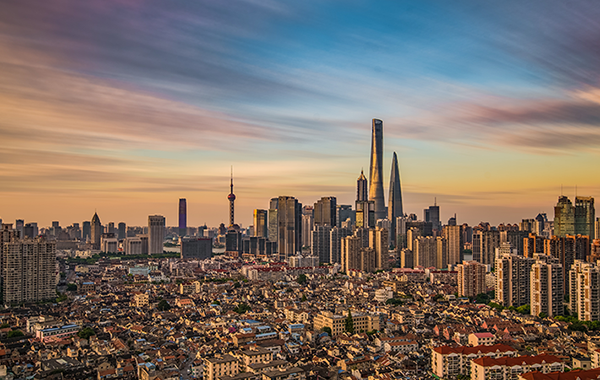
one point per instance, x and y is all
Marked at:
(231, 198)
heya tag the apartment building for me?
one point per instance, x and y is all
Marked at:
(449, 362)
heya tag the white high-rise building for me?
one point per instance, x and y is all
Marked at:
(546, 286)
(512, 277)
(584, 290)
(156, 234)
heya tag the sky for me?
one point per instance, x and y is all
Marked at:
(124, 106)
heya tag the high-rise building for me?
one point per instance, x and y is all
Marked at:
(289, 222)
(231, 198)
(484, 246)
(122, 231)
(395, 209)
(365, 214)
(546, 286)
(260, 223)
(532, 244)
(320, 244)
(567, 249)
(156, 234)
(564, 217)
(273, 226)
(597, 228)
(515, 238)
(362, 192)
(86, 231)
(406, 258)
(355, 256)
(471, 278)
(335, 243)
(183, 215)
(19, 225)
(513, 278)
(96, 231)
(584, 290)
(424, 251)
(28, 271)
(345, 212)
(441, 253)
(432, 215)
(379, 242)
(453, 236)
(110, 228)
(325, 212)
(584, 216)
(376, 170)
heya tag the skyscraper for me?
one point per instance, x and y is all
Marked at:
(564, 217)
(345, 212)
(376, 170)
(584, 290)
(231, 198)
(325, 212)
(365, 209)
(260, 223)
(584, 216)
(96, 231)
(273, 227)
(432, 215)
(289, 223)
(455, 244)
(156, 234)
(183, 217)
(513, 278)
(321, 242)
(28, 271)
(361, 188)
(122, 230)
(546, 287)
(86, 231)
(395, 200)
(471, 278)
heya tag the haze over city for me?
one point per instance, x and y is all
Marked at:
(124, 107)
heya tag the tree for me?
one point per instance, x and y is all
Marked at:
(86, 333)
(525, 309)
(349, 323)
(327, 330)
(14, 334)
(163, 305)
(302, 279)
(303, 298)
(242, 308)
(72, 287)
(543, 315)
(4, 325)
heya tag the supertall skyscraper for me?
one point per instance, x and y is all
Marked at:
(395, 200)
(376, 170)
(182, 217)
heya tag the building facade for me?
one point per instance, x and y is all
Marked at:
(156, 234)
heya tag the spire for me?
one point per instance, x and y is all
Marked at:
(231, 198)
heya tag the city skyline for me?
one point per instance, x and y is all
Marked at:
(127, 116)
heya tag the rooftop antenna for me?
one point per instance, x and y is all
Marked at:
(435, 201)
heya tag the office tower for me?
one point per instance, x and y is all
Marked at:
(362, 193)
(540, 223)
(395, 209)
(400, 232)
(183, 214)
(432, 215)
(335, 243)
(110, 228)
(19, 224)
(289, 223)
(411, 235)
(471, 278)
(484, 246)
(260, 223)
(527, 225)
(231, 198)
(307, 226)
(512, 278)
(379, 242)
(376, 170)
(195, 248)
(28, 271)
(546, 286)
(133, 246)
(156, 234)
(597, 236)
(452, 221)
(273, 227)
(567, 249)
(584, 290)
(345, 212)
(424, 251)
(564, 217)
(320, 242)
(365, 214)
(515, 238)
(122, 231)
(96, 231)
(109, 243)
(86, 231)
(325, 212)
(453, 236)
(584, 216)
(30, 230)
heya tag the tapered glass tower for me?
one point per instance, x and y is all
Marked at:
(395, 200)
(376, 170)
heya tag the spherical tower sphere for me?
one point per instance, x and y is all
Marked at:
(231, 197)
